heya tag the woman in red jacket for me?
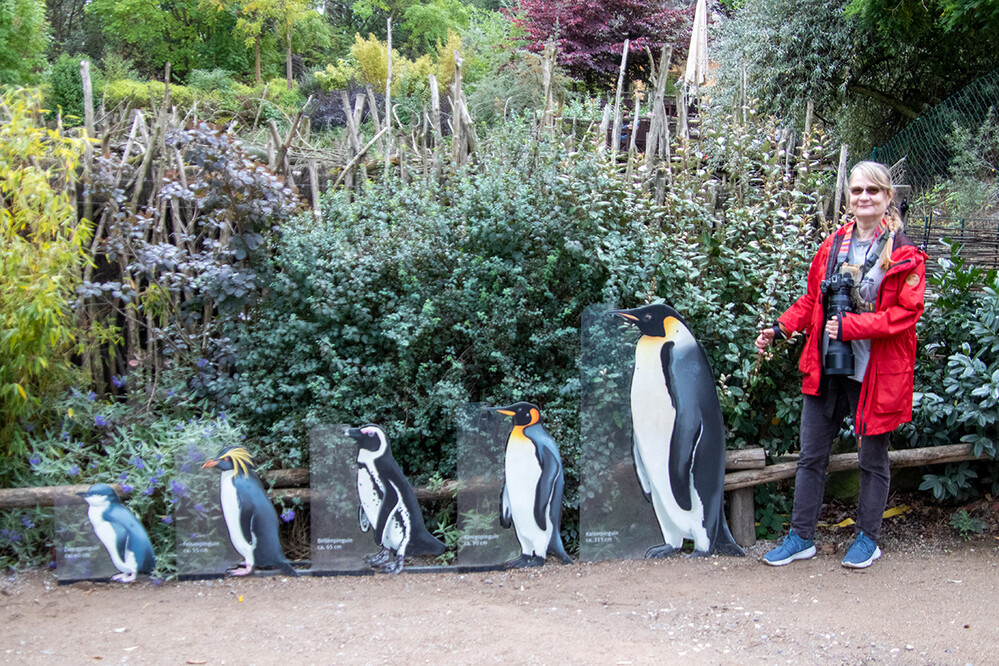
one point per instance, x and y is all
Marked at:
(864, 296)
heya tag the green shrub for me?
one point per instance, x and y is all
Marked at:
(126, 91)
(215, 80)
(66, 89)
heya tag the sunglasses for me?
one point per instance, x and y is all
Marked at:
(872, 190)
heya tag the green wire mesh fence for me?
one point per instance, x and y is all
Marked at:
(923, 142)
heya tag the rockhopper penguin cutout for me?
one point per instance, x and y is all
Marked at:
(532, 489)
(388, 503)
(250, 517)
(120, 531)
(679, 434)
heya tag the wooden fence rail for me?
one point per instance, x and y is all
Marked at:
(747, 469)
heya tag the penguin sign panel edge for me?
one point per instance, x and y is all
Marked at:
(679, 434)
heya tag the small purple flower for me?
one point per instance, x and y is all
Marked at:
(64, 436)
(94, 465)
(91, 396)
(117, 381)
(73, 471)
(167, 519)
(221, 416)
(125, 488)
(12, 535)
(202, 362)
(200, 508)
(148, 491)
(100, 421)
(123, 476)
(29, 427)
(137, 462)
(288, 515)
(178, 488)
(35, 460)
(27, 522)
(171, 393)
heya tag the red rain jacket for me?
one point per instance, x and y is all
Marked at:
(886, 394)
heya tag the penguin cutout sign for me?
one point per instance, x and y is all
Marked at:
(678, 443)
(388, 505)
(250, 518)
(532, 488)
(122, 535)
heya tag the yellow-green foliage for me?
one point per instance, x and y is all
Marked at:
(371, 56)
(337, 76)
(413, 77)
(139, 94)
(445, 57)
(41, 252)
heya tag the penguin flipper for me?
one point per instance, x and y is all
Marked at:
(506, 513)
(643, 476)
(685, 429)
(551, 472)
(385, 512)
(121, 543)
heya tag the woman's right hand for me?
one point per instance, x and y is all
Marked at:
(764, 339)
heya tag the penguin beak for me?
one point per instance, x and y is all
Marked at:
(353, 433)
(506, 411)
(625, 315)
(211, 463)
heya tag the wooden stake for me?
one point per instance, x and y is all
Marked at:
(616, 133)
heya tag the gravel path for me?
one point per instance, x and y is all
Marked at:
(924, 602)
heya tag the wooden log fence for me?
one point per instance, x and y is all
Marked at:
(746, 469)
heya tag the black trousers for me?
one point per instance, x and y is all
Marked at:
(821, 419)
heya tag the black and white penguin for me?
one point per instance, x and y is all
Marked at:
(388, 503)
(679, 433)
(250, 517)
(121, 533)
(532, 489)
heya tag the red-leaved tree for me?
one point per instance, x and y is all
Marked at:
(590, 33)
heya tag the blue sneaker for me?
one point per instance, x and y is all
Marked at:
(792, 548)
(862, 553)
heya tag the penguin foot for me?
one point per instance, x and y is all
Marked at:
(525, 561)
(244, 570)
(659, 552)
(379, 558)
(393, 566)
(123, 577)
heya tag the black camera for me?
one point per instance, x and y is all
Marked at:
(837, 292)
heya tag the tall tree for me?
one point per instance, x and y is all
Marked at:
(590, 35)
(23, 39)
(869, 66)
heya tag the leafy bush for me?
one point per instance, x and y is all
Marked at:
(217, 80)
(41, 255)
(66, 89)
(957, 380)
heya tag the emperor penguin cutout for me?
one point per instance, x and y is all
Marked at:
(679, 434)
(388, 503)
(250, 517)
(120, 531)
(532, 489)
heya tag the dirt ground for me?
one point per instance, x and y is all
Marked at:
(929, 600)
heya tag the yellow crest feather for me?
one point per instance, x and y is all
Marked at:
(241, 460)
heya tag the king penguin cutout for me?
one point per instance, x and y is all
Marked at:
(388, 503)
(532, 489)
(679, 434)
(121, 533)
(249, 515)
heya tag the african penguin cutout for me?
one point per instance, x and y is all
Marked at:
(120, 531)
(388, 503)
(532, 488)
(679, 434)
(250, 517)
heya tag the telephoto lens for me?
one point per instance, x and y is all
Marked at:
(839, 354)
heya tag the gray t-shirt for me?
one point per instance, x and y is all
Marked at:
(868, 290)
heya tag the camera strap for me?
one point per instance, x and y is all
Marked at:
(877, 246)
